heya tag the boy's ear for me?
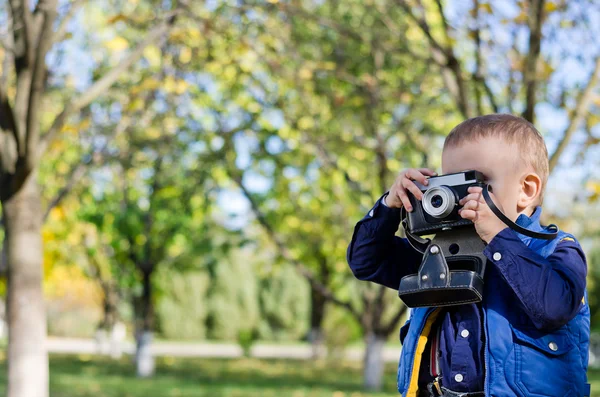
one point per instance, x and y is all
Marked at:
(531, 187)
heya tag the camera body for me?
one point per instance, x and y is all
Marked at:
(438, 211)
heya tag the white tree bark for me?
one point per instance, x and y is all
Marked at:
(316, 342)
(373, 362)
(117, 337)
(27, 354)
(144, 361)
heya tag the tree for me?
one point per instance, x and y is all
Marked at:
(25, 136)
(363, 90)
(524, 77)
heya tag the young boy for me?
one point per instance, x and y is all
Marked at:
(530, 334)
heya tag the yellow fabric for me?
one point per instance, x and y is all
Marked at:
(413, 386)
(568, 239)
(583, 300)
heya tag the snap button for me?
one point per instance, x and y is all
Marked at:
(553, 346)
(371, 213)
(464, 333)
(458, 378)
(497, 256)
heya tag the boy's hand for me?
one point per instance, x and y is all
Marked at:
(475, 209)
(398, 197)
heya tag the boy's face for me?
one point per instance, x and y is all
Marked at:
(498, 161)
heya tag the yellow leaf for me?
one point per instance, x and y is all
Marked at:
(305, 123)
(360, 154)
(181, 86)
(230, 72)
(117, 44)
(169, 84)
(293, 222)
(152, 55)
(116, 18)
(254, 107)
(305, 73)
(153, 132)
(185, 55)
(550, 7)
(136, 104)
(69, 129)
(486, 7)
(594, 188)
(150, 84)
(140, 239)
(521, 18)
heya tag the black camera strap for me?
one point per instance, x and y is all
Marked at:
(418, 243)
(519, 229)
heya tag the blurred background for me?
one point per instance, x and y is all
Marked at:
(179, 179)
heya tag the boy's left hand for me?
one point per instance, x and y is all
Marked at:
(475, 209)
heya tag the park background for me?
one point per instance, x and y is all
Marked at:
(179, 180)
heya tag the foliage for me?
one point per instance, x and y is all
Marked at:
(284, 304)
(340, 330)
(180, 309)
(233, 304)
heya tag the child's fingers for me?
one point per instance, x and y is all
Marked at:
(472, 196)
(471, 205)
(401, 193)
(475, 189)
(410, 185)
(427, 171)
(416, 175)
(469, 214)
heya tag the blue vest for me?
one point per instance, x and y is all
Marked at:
(518, 357)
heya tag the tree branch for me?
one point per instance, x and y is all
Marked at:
(60, 32)
(7, 123)
(285, 253)
(74, 176)
(21, 17)
(391, 325)
(536, 15)
(47, 11)
(107, 80)
(577, 115)
(445, 58)
(22, 56)
(445, 24)
(293, 11)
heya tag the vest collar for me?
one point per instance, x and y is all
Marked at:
(530, 222)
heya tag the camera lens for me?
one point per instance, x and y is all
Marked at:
(437, 201)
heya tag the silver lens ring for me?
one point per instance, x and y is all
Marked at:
(439, 201)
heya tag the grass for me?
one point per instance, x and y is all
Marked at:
(87, 376)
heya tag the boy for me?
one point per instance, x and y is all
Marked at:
(530, 334)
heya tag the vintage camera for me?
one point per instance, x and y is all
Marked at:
(438, 211)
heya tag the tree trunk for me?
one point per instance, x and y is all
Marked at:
(144, 361)
(373, 362)
(105, 327)
(27, 355)
(317, 314)
(116, 339)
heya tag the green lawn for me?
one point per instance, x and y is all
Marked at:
(79, 376)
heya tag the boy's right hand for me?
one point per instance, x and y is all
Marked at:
(398, 197)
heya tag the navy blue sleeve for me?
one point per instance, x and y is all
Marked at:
(550, 289)
(376, 253)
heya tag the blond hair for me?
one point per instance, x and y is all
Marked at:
(513, 130)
